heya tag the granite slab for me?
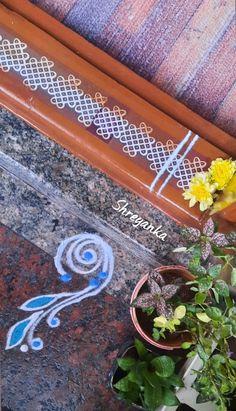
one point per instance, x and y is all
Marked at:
(80, 183)
(72, 372)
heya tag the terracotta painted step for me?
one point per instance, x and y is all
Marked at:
(98, 119)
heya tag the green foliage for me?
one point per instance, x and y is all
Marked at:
(211, 314)
(208, 244)
(149, 380)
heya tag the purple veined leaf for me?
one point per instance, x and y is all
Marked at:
(154, 288)
(208, 228)
(161, 306)
(206, 250)
(231, 237)
(154, 275)
(168, 291)
(164, 309)
(144, 300)
(191, 233)
(219, 240)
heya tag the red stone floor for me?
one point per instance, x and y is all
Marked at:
(72, 371)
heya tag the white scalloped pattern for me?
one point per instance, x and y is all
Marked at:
(65, 92)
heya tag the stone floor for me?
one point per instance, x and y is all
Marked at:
(47, 195)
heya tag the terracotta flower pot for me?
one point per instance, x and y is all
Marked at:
(144, 324)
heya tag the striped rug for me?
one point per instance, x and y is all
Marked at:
(186, 48)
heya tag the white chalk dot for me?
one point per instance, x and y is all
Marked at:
(24, 348)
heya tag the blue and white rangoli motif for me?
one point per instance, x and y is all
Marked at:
(84, 254)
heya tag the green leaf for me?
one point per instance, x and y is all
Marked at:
(200, 298)
(232, 363)
(195, 266)
(156, 334)
(126, 363)
(203, 317)
(216, 295)
(214, 313)
(135, 377)
(205, 284)
(169, 398)
(140, 348)
(201, 352)
(123, 385)
(164, 366)
(226, 331)
(176, 380)
(130, 397)
(151, 378)
(191, 354)
(152, 397)
(186, 345)
(233, 277)
(217, 359)
(229, 302)
(194, 263)
(222, 288)
(215, 270)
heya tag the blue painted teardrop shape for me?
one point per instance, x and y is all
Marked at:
(39, 302)
(18, 332)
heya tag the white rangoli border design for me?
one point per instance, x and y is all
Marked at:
(85, 254)
(65, 92)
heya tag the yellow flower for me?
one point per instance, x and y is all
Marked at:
(231, 187)
(221, 172)
(200, 190)
(227, 198)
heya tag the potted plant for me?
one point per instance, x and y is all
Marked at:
(145, 379)
(210, 315)
(156, 294)
(208, 247)
(211, 322)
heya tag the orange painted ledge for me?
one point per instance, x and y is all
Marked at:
(122, 156)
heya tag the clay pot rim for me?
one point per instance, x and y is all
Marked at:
(164, 344)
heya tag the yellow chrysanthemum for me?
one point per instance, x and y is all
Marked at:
(227, 198)
(200, 190)
(231, 187)
(221, 172)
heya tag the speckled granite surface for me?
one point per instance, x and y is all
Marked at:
(46, 195)
(79, 183)
(72, 373)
